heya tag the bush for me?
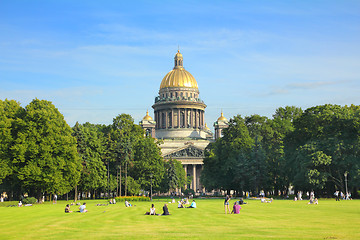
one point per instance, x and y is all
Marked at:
(132, 199)
(188, 191)
(29, 200)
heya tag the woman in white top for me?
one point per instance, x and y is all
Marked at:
(152, 210)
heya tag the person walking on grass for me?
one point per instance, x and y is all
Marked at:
(226, 204)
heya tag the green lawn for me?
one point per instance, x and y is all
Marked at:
(282, 219)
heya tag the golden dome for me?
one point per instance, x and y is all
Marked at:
(222, 118)
(178, 77)
(147, 117)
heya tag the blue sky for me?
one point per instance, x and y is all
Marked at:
(97, 59)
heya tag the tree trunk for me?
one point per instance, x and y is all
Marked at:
(125, 179)
(76, 194)
(117, 181)
(120, 182)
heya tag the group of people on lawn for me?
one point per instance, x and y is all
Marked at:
(82, 208)
(236, 206)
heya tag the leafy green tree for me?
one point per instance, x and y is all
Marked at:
(281, 125)
(224, 157)
(147, 162)
(10, 117)
(91, 149)
(45, 152)
(323, 146)
(125, 135)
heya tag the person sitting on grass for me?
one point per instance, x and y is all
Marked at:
(241, 201)
(152, 210)
(20, 204)
(180, 205)
(313, 201)
(83, 208)
(193, 204)
(127, 204)
(67, 209)
(236, 208)
(165, 210)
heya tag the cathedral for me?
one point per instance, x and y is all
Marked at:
(179, 121)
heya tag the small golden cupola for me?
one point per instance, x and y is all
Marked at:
(222, 118)
(147, 116)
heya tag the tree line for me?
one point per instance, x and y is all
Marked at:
(40, 154)
(307, 150)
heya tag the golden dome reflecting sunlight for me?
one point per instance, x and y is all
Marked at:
(178, 77)
(147, 117)
(222, 118)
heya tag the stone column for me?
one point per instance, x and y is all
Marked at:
(194, 177)
(185, 168)
(172, 118)
(179, 118)
(160, 120)
(186, 118)
(203, 118)
(166, 119)
(196, 119)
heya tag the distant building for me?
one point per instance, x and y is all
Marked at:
(180, 121)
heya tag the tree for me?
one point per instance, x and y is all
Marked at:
(90, 149)
(125, 135)
(224, 157)
(45, 152)
(147, 161)
(175, 176)
(10, 116)
(323, 146)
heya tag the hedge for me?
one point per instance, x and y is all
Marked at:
(132, 199)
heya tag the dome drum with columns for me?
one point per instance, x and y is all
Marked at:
(179, 119)
(178, 110)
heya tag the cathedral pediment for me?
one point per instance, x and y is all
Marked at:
(187, 152)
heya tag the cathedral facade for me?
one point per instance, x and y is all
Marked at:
(179, 121)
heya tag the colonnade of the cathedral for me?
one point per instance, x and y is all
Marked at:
(193, 171)
(179, 118)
